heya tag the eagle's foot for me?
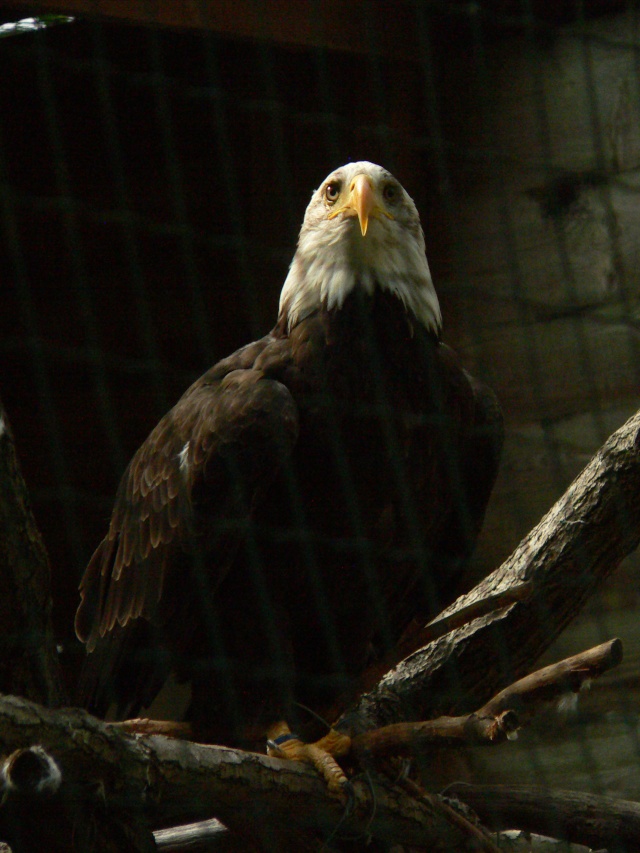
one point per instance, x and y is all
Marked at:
(282, 743)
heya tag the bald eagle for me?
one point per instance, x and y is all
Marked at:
(308, 498)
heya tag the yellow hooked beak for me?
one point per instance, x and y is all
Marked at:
(362, 202)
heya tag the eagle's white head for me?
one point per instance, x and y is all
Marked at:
(361, 229)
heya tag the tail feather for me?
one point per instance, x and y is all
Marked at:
(124, 672)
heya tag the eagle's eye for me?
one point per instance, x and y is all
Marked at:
(390, 192)
(332, 191)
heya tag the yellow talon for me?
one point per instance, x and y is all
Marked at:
(282, 743)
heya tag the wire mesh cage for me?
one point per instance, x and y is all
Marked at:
(155, 165)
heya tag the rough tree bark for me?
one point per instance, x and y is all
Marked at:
(577, 544)
(28, 659)
(157, 780)
(576, 817)
(167, 781)
(105, 778)
(29, 667)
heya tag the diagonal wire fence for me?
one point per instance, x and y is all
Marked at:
(152, 182)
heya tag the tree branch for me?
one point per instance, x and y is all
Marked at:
(569, 815)
(415, 637)
(153, 780)
(499, 718)
(170, 782)
(29, 666)
(579, 542)
(28, 660)
(207, 836)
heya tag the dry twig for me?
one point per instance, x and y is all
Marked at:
(499, 717)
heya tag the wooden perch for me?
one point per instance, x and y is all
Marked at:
(170, 782)
(578, 543)
(158, 780)
(500, 717)
(28, 660)
(556, 680)
(570, 815)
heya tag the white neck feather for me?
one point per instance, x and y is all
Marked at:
(330, 262)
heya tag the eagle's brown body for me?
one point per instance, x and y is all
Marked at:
(304, 501)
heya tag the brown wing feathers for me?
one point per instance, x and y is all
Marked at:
(125, 576)
(240, 420)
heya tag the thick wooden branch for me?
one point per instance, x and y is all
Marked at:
(207, 836)
(519, 841)
(28, 660)
(151, 780)
(418, 636)
(500, 717)
(169, 782)
(570, 815)
(556, 680)
(29, 666)
(580, 541)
